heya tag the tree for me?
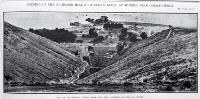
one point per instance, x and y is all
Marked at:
(119, 48)
(99, 39)
(90, 48)
(123, 34)
(132, 37)
(76, 53)
(143, 35)
(121, 37)
(57, 35)
(90, 20)
(79, 41)
(8, 77)
(31, 30)
(124, 31)
(92, 33)
(86, 58)
(99, 21)
(104, 18)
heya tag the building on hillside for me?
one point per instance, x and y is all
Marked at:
(112, 25)
(75, 24)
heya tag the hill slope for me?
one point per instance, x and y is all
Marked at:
(30, 58)
(156, 61)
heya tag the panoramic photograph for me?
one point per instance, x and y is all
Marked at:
(65, 52)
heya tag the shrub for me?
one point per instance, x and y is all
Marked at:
(5, 46)
(132, 37)
(122, 37)
(99, 21)
(92, 33)
(104, 18)
(124, 31)
(90, 48)
(23, 38)
(143, 35)
(168, 88)
(186, 84)
(94, 81)
(120, 48)
(76, 52)
(86, 58)
(8, 77)
(79, 41)
(99, 39)
(89, 20)
(123, 34)
(84, 35)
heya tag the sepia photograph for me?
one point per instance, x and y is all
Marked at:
(79, 52)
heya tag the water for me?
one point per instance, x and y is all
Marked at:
(73, 88)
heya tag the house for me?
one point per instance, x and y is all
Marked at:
(74, 24)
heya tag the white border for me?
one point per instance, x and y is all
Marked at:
(7, 6)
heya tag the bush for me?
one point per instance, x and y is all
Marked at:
(99, 39)
(86, 58)
(132, 37)
(143, 35)
(123, 34)
(89, 20)
(122, 37)
(94, 81)
(186, 84)
(76, 52)
(104, 18)
(85, 35)
(120, 48)
(124, 31)
(90, 48)
(4, 46)
(79, 41)
(8, 77)
(99, 21)
(31, 30)
(168, 88)
(92, 33)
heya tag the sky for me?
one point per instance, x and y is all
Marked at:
(52, 20)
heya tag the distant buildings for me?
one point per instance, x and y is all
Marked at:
(111, 25)
(75, 24)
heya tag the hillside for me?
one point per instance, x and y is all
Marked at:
(30, 58)
(156, 63)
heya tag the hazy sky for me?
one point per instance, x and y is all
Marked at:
(52, 20)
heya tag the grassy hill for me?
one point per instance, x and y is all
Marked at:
(156, 63)
(30, 58)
